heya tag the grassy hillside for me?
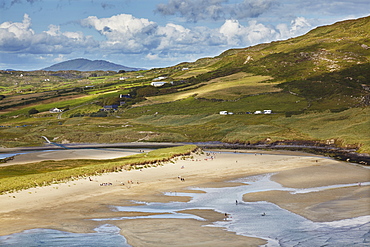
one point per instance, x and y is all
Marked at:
(317, 85)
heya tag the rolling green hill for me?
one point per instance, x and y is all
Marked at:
(317, 86)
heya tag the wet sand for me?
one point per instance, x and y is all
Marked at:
(66, 206)
(69, 154)
(321, 206)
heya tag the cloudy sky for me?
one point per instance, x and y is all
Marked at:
(153, 33)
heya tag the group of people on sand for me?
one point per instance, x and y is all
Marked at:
(181, 178)
(130, 182)
(211, 156)
(106, 184)
(122, 183)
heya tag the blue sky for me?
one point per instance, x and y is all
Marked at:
(153, 33)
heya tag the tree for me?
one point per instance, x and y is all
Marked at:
(147, 91)
(33, 111)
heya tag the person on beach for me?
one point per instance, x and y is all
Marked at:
(227, 216)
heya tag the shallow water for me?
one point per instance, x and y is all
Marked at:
(105, 236)
(7, 155)
(278, 226)
(119, 152)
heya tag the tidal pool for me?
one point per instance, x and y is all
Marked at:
(264, 220)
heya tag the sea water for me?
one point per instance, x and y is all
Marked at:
(105, 236)
(264, 220)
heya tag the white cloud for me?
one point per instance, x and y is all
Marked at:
(300, 23)
(152, 56)
(19, 29)
(60, 58)
(127, 36)
(16, 36)
(254, 33)
(19, 37)
(123, 31)
(197, 10)
(298, 26)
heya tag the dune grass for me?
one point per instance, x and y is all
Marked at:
(20, 177)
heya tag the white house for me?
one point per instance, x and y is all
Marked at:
(160, 78)
(158, 83)
(55, 110)
(267, 111)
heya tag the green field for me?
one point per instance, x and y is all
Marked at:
(317, 86)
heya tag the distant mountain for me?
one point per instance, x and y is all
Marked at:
(82, 64)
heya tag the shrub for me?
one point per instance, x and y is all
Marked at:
(33, 111)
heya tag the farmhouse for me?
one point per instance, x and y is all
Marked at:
(109, 108)
(226, 113)
(159, 83)
(55, 110)
(160, 78)
(127, 96)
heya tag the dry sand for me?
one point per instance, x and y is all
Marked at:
(67, 206)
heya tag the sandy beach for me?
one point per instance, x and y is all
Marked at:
(70, 206)
(69, 154)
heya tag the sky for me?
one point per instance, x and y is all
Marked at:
(35, 34)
